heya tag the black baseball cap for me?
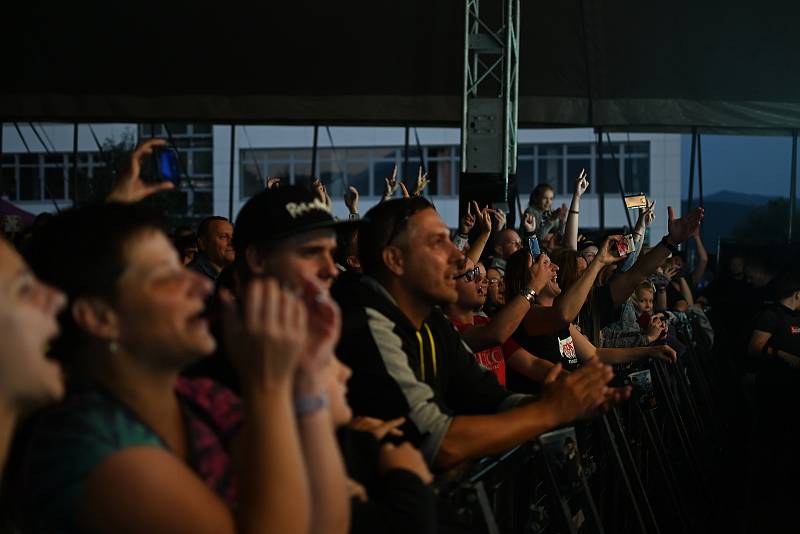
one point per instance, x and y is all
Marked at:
(281, 212)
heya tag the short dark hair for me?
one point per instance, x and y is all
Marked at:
(202, 230)
(382, 225)
(517, 274)
(346, 244)
(80, 251)
(787, 283)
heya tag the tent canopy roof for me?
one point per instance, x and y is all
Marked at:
(626, 65)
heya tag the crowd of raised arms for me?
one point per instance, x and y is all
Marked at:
(291, 373)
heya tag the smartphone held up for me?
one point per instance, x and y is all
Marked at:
(622, 247)
(167, 165)
(533, 246)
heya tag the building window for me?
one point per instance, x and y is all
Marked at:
(363, 168)
(558, 164)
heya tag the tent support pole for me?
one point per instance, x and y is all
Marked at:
(405, 156)
(74, 187)
(793, 184)
(692, 159)
(314, 152)
(230, 172)
(601, 179)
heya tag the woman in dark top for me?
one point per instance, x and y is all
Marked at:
(135, 448)
(567, 345)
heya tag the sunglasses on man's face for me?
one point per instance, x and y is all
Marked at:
(469, 276)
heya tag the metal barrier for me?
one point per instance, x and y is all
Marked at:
(644, 466)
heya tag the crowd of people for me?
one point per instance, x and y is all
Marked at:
(289, 372)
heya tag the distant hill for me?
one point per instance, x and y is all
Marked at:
(724, 210)
(732, 197)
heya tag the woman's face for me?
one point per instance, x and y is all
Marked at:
(335, 375)
(545, 200)
(159, 304)
(28, 311)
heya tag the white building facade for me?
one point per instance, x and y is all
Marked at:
(36, 172)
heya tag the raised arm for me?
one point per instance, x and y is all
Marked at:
(506, 321)
(646, 217)
(546, 319)
(679, 231)
(484, 223)
(129, 187)
(702, 258)
(571, 231)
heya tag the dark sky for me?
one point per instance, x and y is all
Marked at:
(753, 165)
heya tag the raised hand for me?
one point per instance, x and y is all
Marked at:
(541, 273)
(129, 187)
(422, 182)
(484, 219)
(670, 272)
(649, 214)
(404, 190)
(579, 394)
(468, 220)
(681, 229)
(322, 192)
(581, 183)
(604, 255)
(561, 213)
(273, 182)
(500, 215)
(529, 222)
(266, 342)
(351, 199)
(391, 185)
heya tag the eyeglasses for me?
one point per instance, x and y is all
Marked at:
(494, 281)
(469, 276)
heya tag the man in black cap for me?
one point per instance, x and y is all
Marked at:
(287, 233)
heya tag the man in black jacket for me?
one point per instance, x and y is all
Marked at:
(408, 360)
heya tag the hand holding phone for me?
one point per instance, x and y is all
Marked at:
(636, 201)
(533, 246)
(168, 165)
(622, 247)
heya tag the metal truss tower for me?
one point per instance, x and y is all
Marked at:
(491, 64)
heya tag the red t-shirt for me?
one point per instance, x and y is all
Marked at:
(492, 358)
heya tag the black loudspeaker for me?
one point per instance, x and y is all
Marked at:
(488, 188)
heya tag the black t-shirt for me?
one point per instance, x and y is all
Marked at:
(556, 348)
(784, 325)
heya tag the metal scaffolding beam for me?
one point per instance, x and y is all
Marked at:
(491, 81)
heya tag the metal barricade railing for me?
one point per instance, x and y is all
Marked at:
(644, 466)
